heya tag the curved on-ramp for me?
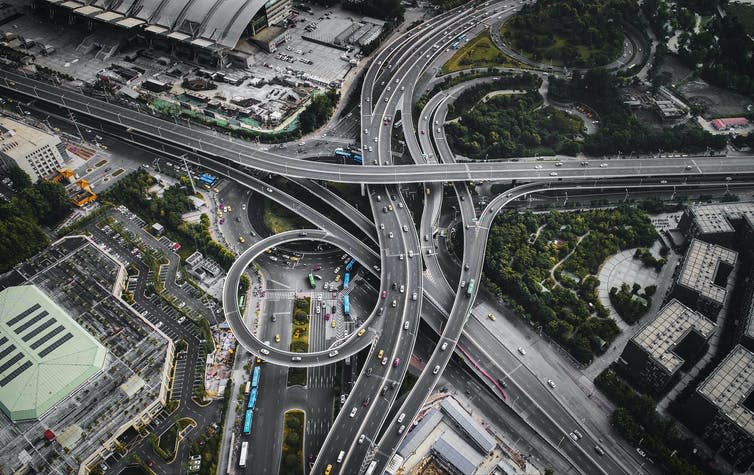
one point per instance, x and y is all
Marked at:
(349, 346)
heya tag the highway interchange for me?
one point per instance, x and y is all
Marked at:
(404, 252)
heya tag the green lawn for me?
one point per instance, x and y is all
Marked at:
(479, 52)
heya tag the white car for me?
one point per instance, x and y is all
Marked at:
(436, 370)
(553, 173)
(405, 325)
(353, 413)
(521, 351)
(603, 165)
(361, 438)
(537, 167)
(551, 383)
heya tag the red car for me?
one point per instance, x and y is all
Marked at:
(396, 362)
(384, 294)
(327, 316)
(317, 267)
(365, 402)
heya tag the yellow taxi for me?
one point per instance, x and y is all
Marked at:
(277, 338)
(491, 316)
(241, 239)
(361, 332)
(328, 469)
(380, 354)
(333, 323)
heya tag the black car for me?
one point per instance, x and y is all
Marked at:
(334, 309)
(501, 382)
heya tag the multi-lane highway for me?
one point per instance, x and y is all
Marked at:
(406, 264)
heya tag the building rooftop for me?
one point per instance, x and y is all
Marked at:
(44, 354)
(413, 440)
(674, 321)
(729, 386)
(473, 429)
(454, 450)
(19, 139)
(715, 218)
(700, 266)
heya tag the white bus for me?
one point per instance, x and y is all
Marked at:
(244, 451)
(371, 467)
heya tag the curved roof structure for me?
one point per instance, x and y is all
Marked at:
(44, 354)
(201, 22)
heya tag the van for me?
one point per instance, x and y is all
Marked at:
(341, 455)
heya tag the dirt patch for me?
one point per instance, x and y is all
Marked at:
(717, 102)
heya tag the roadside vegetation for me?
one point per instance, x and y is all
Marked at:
(478, 52)
(637, 420)
(513, 125)
(278, 219)
(292, 457)
(167, 210)
(562, 32)
(545, 266)
(21, 218)
(299, 338)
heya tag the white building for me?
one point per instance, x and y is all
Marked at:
(36, 152)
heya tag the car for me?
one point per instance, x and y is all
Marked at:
(537, 167)
(274, 318)
(302, 234)
(401, 429)
(222, 220)
(551, 383)
(277, 338)
(405, 325)
(264, 351)
(599, 450)
(396, 362)
(727, 178)
(243, 207)
(382, 225)
(390, 235)
(641, 452)
(333, 353)
(436, 370)
(241, 239)
(369, 371)
(559, 164)
(394, 303)
(395, 285)
(353, 413)
(403, 288)
(414, 296)
(688, 167)
(380, 354)
(401, 417)
(390, 207)
(411, 253)
(400, 204)
(426, 237)
(150, 463)
(380, 310)
(501, 382)
(521, 351)
(444, 346)
(361, 438)
(553, 173)
(384, 361)
(603, 165)
(384, 390)
(333, 323)
(295, 358)
(405, 228)
(463, 284)
(578, 434)
(400, 256)
(491, 316)
(384, 209)
(465, 267)
(422, 132)
(365, 402)
(384, 294)
(573, 436)
(238, 219)
(663, 182)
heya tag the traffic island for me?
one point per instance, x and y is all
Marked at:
(292, 455)
(299, 338)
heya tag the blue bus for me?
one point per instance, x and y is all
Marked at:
(350, 264)
(207, 179)
(346, 280)
(255, 377)
(247, 422)
(343, 153)
(252, 399)
(346, 305)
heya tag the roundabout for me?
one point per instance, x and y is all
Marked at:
(343, 348)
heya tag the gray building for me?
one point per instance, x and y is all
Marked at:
(659, 350)
(717, 223)
(468, 426)
(701, 280)
(456, 456)
(723, 407)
